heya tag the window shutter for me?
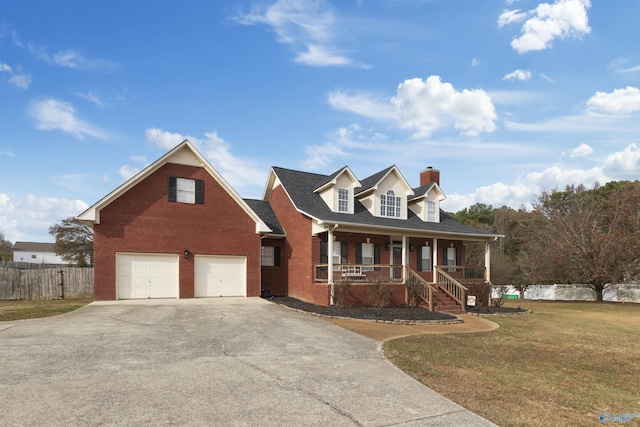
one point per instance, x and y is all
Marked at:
(173, 189)
(358, 253)
(419, 251)
(458, 256)
(199, 192)
(324, 259)
(376, 255)
(343, 252)
(276, 256)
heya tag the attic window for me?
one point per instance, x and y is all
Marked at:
(431, 211)
(343, 200)
(390, 205)
(184, 190)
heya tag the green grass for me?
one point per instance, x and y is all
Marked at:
(19, 310)
(563, 365)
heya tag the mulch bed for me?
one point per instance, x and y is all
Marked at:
(386, 314)
(496, 310)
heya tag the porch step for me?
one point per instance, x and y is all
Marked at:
(445, 304)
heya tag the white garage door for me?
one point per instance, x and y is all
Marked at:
(220, 276)
(146, 276)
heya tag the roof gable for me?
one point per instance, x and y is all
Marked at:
(182, 154)
(333, 179)
(371, 183)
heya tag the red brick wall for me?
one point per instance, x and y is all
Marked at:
(143, 220)
(274, 278)
(301, 252)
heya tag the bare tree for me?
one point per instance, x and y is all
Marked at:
(74, 241)
(6, 248)
(587, 236)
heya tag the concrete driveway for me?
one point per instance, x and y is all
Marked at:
(232, 361)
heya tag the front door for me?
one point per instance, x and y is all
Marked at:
(396, 270)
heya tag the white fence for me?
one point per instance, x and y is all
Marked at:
(625, 292)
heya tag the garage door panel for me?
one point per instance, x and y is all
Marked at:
(217, 276)
(147, 276)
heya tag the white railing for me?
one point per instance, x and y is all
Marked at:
(451, 286)
(424, 289)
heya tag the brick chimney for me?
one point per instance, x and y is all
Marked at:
(429, 175)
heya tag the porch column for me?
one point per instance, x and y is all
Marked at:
(330, 263)
(405, 251)
(434, 257)
(487, 261)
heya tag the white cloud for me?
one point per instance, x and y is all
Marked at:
(581, 150)
(619, 101)
(52, 114)
(634, 69)
(617, 166)
(624, 164)
(518, 75)
(475, 62)
(345, 143)
(69, 58)
(363, 104)
(127, 171)
(21, 81)
(547, 22)
(94, 99)
(428, 105)
(29, 219)
(307, 26)
(239, 172)
(425, 106)
(510, 16)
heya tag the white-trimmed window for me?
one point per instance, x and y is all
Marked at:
(185, 190)
(390, 205)
(343, 200)
(367, 255)
(270, 256)
(431, 211)
(267, 259)
(451, 256)
(425, 258)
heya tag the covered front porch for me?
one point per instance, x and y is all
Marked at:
(433, 264)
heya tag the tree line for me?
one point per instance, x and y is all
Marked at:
(575, 235)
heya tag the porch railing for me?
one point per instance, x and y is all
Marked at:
(425, 290)
(451, 286)
(358, 273)
(464, 273)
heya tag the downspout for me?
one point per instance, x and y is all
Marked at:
(330, 263)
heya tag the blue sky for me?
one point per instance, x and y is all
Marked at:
(505, 98)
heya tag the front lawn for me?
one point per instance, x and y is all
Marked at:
(18, 310)
(564, 364)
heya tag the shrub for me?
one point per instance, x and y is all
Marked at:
(340, 288)
(412, 285)
(379, 290)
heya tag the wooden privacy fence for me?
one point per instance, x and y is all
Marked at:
(46, 283)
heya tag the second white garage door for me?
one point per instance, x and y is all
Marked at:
(220, 276)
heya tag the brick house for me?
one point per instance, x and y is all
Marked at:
(178, 230)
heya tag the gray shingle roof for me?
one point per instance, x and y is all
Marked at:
(34, 247)
(265, 212)
(369, 182)
(300, 185)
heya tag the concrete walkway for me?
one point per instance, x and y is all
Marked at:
(205, 362)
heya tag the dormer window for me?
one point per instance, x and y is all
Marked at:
(343, 200)
(431, 211)
(390, 205)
